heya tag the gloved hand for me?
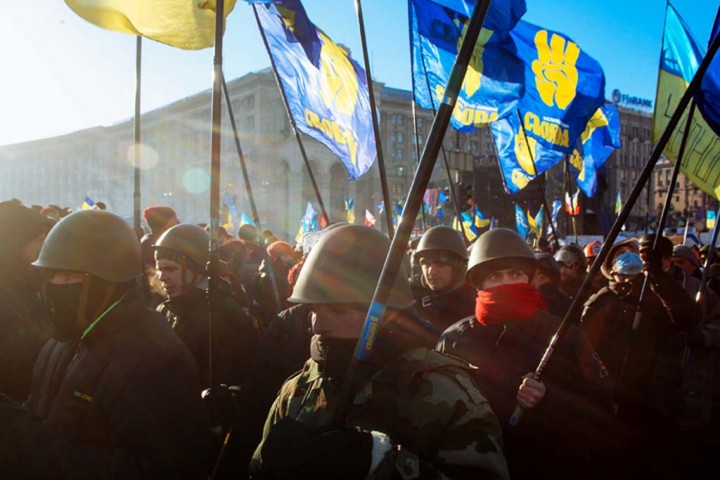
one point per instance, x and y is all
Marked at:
(292, 450)
(693, 337)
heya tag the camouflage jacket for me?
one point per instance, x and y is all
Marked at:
(440, 425)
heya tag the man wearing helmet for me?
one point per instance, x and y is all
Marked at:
(181, 254)
(573, 268)
(414, 413)
(505, 339)
(445, 298)
(115, 392)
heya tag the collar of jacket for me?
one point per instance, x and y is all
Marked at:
(188, 300)
(116, 318)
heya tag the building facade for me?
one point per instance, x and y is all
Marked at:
(175, 164)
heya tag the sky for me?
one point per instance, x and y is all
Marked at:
(61, 74)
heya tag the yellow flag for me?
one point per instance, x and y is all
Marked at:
(187, 24)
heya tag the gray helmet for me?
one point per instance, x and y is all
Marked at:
(344, 267)
(570, 255)
(499, 248)
(184, 243)
(442, 239)
(95, 242)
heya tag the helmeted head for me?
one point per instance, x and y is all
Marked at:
(500, 257)
(181, 254)
(90, 259)
(591, 251)
(611, 268)
(22, 231)
(572, 262)
(442, 256)
(159, 218)
(548, 271)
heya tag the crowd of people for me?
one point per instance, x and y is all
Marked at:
(121, 356)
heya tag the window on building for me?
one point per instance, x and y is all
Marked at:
(398, 154)
(420, 123)
(397, 120)
(401, 170)
(398, 137)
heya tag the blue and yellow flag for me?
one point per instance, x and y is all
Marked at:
(710, 218)
(88, 203)
(681, 57)
(516, 155)
(493, 83)
(595, 145)
(521, 222)
(179, 23)
(564, 86)
(307, 222)
(326, 90)
(708, 97)
(466, 224)
(350, 209)
(479, 219)
(245, 220)
(555, 211)
(618, 204)
(535, 223)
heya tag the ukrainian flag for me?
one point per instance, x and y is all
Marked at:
(88, 203)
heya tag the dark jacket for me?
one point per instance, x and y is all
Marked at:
(121, 403)
(442, 310)
(24, 328)
(557, 302)
(234, 329)
(554, 433)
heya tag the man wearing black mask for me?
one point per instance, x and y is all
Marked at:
(115, 392)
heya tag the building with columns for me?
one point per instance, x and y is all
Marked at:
(175, 163)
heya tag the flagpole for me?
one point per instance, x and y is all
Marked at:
(137, 121)
(214, 263)
(417, 153)
(576, 305)
(572, 200)
(647, 209)
(376, 126)
(293, 125)
(541, 187)
(398, 245)
(251, 199)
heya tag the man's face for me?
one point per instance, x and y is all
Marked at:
(438, 275)
(540, 279)
(170, 275)
(664, 264)
(509, 276)
(568, 274)
(338, 321)
(685, 264)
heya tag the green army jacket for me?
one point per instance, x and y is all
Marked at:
(440, 424)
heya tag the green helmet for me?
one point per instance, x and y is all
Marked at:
(497, 249)
(184, 243)
(95, 242)
(442, 239)
(344, 267)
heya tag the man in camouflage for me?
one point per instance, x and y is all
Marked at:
(415, 413)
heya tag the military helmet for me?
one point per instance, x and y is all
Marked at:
(344, 267)
(496, 249)
(570, 255)
(443, 239)
(184, 243)
(95, 242)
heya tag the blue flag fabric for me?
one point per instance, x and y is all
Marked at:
(493, 83)
(556, 207)
(516, 155)
(521, 222)
(245, 220)
(708, 97)
(564, 86)
(595, 145)
(326, 90)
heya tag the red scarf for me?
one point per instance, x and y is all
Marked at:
(519, 301)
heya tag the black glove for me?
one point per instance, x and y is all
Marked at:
(693, 337)
(293, 451)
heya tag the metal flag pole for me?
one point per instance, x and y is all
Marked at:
(293, 125)
(136, 126)
(399, 242)
(376, 126)
(251, 198)
(417, 153)
(576, 305)
(213, 264)
(572, 201)
(541, 187)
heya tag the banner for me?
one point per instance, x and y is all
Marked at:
(521, 222)
(708, 98)
(179, 23)
(572, 204)
(681, 57)
(564, 86)
(493, 83)
(516, 155)
(326, 90)
(595, 145)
